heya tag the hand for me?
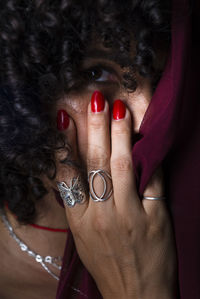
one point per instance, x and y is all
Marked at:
(126, 244)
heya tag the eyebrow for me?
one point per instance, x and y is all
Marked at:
(111, 56)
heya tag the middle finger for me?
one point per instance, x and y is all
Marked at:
(98, 157)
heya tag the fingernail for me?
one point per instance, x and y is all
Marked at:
(62, 120)
(97, 102)
(119, 110)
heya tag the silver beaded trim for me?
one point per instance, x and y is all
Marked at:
(38, 258)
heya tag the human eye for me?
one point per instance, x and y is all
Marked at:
(101, 74)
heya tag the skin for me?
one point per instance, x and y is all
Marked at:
(105, 233)
(110, 233)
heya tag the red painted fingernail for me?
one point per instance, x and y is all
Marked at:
(119, 110)
(62, 120)
(97, 102)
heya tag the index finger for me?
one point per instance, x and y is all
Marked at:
(70, 180)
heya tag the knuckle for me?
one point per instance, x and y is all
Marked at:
(100, 224)
(158, 228)
(139, 229)
(96, 122)
(75, 225)
(121, 164)
(129, 225)
(99, 160)
(153, 230)
(158, 214)
(157, 232)
(121, 130)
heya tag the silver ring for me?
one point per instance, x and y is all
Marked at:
(154, 198)
(103, 175)
(72, 194)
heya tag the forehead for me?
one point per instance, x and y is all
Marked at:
(109, 55)
(96, 49)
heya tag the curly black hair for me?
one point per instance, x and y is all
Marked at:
(42, 43)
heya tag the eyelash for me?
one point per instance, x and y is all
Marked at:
(100, 71)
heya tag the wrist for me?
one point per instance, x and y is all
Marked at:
(151, 295)
(164, 292)
(153, 292)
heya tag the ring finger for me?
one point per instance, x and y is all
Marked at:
(121, 159)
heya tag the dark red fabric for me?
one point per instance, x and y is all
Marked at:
(170, 135)
(171, 131)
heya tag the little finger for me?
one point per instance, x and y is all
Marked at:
(153, 197)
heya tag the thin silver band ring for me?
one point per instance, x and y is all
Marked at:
(154, 198)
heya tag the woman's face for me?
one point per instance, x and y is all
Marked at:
(106, 76)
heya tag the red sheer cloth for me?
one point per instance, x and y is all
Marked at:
(170, 135)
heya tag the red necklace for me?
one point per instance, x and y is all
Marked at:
(61, 230)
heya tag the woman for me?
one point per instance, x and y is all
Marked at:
(73, 61)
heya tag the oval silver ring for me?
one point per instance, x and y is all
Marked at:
(102, 174)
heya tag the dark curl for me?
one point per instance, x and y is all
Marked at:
(42, 43)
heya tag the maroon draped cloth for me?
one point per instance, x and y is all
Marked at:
(170, 134)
